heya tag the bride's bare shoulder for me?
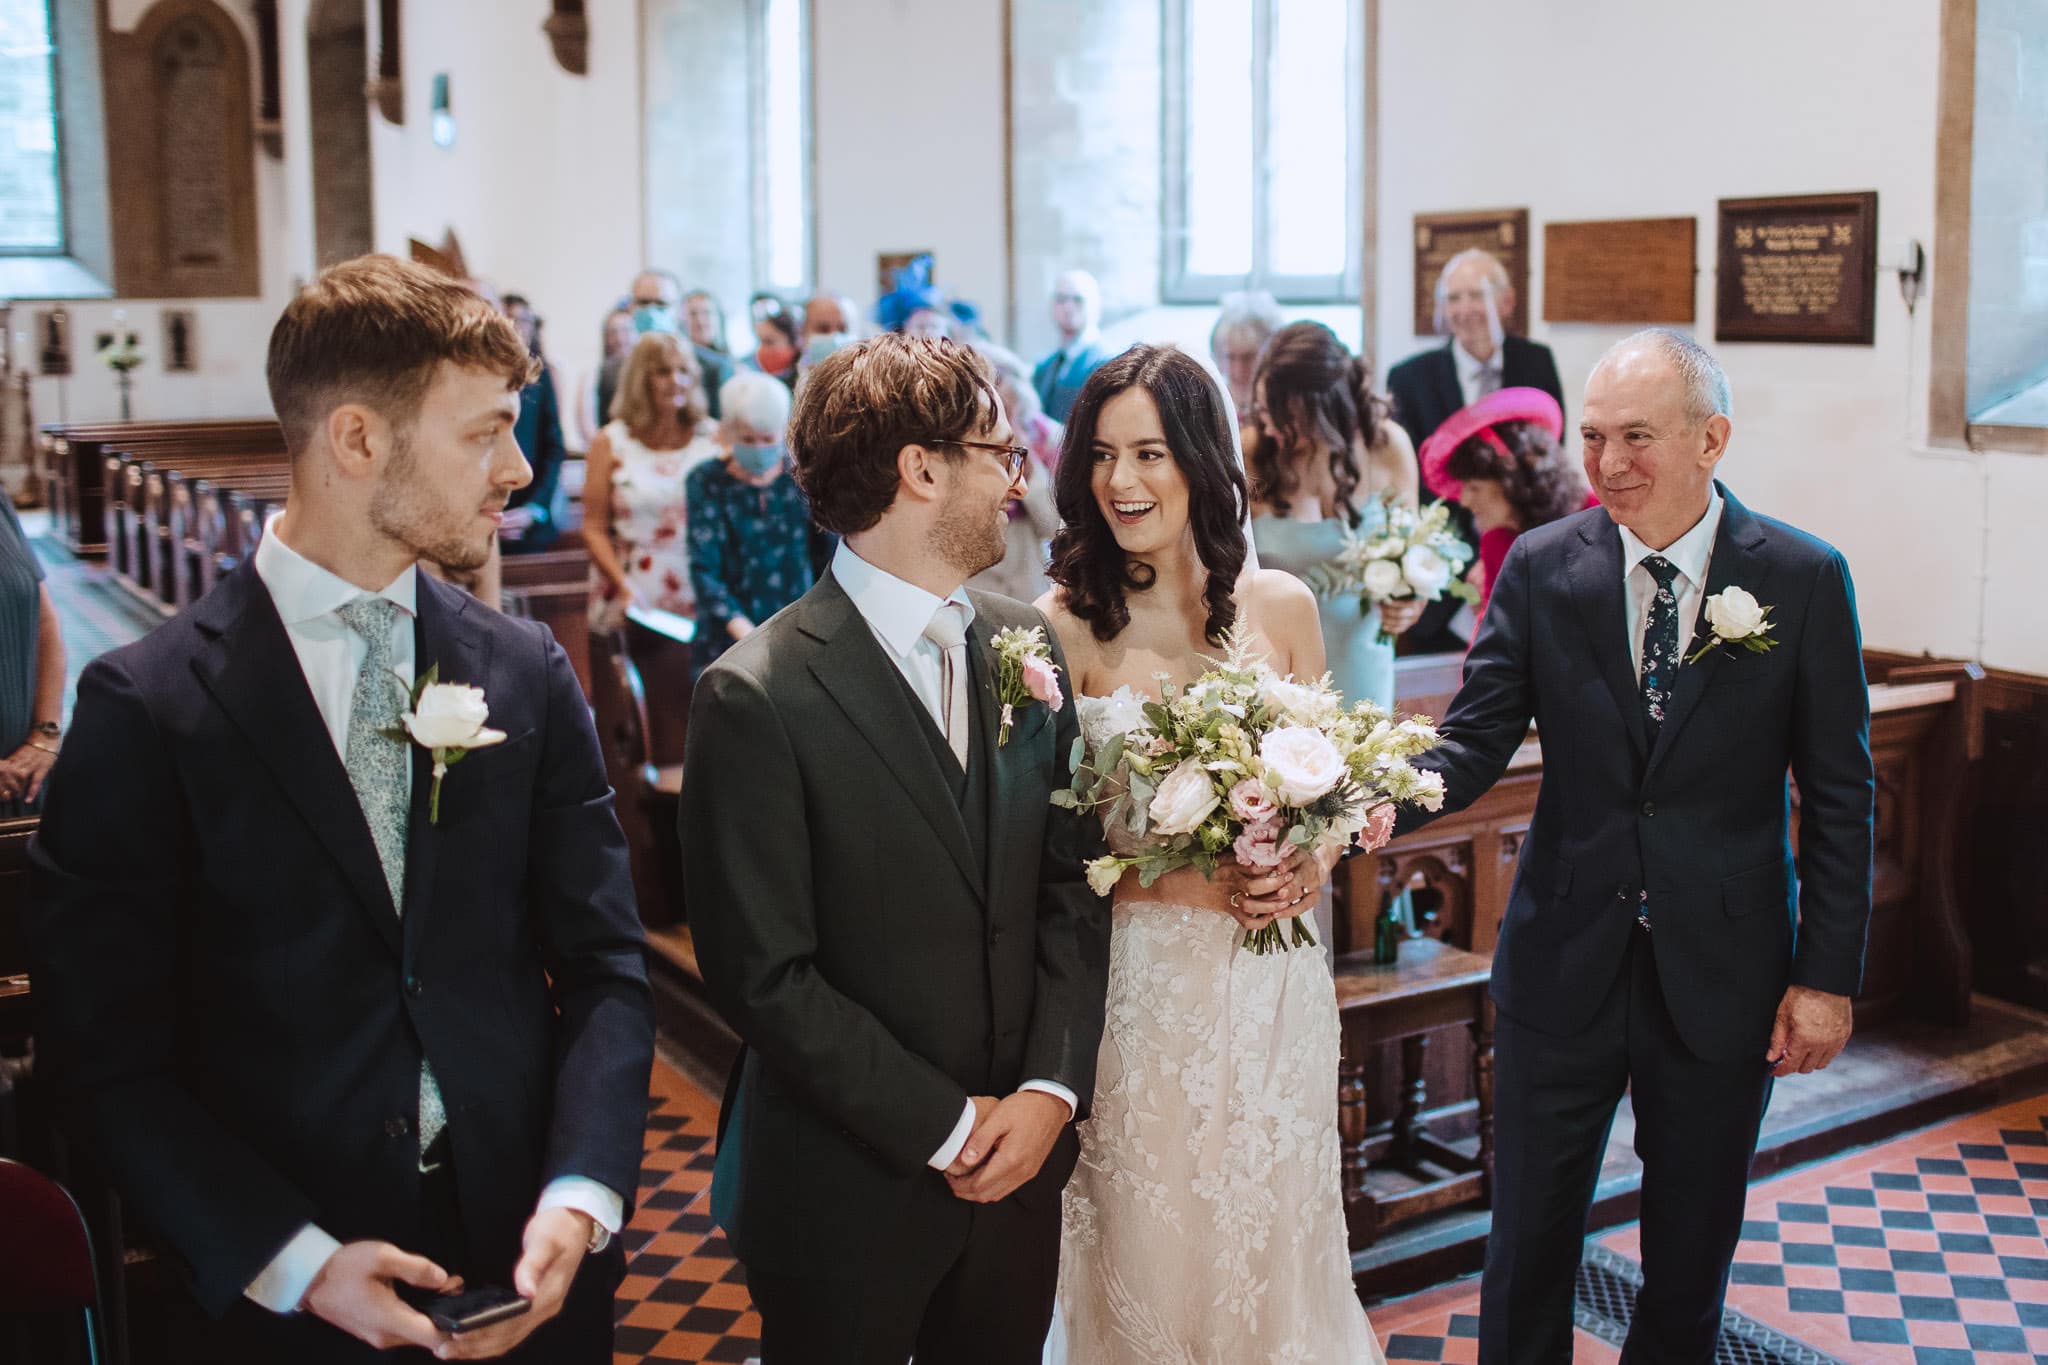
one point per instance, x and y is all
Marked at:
(1076, 641)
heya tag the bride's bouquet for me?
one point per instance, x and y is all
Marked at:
(1243, 763)
(1415, 554)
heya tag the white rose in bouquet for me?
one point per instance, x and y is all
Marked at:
(1302, 764)
(1426, 571)
(1300, 703)
(1383, 579)
(1183, 800)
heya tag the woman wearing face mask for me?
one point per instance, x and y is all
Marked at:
(753, 549)
(656, 436)
(775, 350)
(1205, 1219)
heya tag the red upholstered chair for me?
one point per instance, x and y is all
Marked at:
(46, 1262)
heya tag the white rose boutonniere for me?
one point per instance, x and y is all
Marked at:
(1735, 618)
(447, 720)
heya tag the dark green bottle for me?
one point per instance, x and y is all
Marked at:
(1387, 933)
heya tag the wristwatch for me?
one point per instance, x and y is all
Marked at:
(600, 1238)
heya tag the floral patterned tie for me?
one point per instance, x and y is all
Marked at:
(377, 769)
(1660, 643)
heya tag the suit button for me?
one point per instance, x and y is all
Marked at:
(995, 935)
(413, 987)
(1649, 809)
(397, 1127)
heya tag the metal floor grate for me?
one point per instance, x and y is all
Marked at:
(1605, 1299)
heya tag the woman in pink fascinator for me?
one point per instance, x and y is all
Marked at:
(1500, 457)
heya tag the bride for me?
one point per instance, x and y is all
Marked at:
(1205, 1222)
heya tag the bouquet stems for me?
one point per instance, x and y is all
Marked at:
(1273, 938)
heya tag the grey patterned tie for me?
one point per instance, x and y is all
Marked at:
(377, 769)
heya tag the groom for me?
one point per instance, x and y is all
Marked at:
(1657, 940)
(886, 906)
(342, 1030)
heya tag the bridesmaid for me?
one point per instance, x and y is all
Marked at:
(1323, 455)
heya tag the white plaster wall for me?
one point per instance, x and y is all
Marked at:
(1612, 108)
(909, 144)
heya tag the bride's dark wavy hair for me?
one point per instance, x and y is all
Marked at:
(1091, 568)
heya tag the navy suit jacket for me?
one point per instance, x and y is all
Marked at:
(1700, 818)
(233, 1010)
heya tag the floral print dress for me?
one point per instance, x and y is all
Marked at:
(649, 520)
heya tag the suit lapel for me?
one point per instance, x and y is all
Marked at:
(865, 684)
(1448, 390)
(441, 638)
(1006, 765)
(1736, 561)
(1597, 589)
(254, 674)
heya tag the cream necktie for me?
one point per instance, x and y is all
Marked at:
(949, 632)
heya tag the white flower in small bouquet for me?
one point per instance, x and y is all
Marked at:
(1415, 555)
(1245, 764)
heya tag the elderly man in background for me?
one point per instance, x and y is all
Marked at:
(657, 299)
(1077, 313)
(1246, 323)
(1474, 303)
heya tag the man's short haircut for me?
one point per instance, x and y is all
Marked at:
(863, 403)
(1495, 272)
(375, 331)
(1706, 384)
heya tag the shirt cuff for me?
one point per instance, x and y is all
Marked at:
(950, 1151)
(281, 1286)
(585, 1195)
(1057, 1091)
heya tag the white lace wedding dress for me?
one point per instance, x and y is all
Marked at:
(1205, 1223)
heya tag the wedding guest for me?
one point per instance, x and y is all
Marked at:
(655, 299)
(31, 671)
(704, 319)
(1323, 461)
(775, 350)
(633, 493)
(593, 395)
(753, 549)
(1032, 518)
(1077, 315)
(1247, 322)
(913, 297)
(828, 314)
(1500, 458)
(338, 1023)
(532, 518)
(1475, 304)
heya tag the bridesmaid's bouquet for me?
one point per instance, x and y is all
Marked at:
(1243, 763)
(1415, 554)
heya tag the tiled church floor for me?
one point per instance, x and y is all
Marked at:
(1925, 1250)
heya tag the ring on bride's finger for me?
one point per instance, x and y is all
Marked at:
(1235, 897)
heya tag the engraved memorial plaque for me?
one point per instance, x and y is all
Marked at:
(1801, 268)
(1632, 270)
(1440, 236)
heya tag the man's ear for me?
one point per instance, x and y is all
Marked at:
(358, 438)
(1504, 305)
(917, 467)
(1718, 430)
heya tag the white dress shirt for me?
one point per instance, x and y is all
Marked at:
(1690, 553)
(897, 612)
(1470, 367)
(331, 655)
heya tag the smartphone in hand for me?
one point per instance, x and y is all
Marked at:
(471, 1309)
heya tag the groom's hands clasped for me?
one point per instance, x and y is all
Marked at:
(1011, 1139)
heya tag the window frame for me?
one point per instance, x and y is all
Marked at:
(758, 110)
(1181, 286)
(60, 166)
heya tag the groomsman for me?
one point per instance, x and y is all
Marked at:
(341, 1023)
(1679, 654)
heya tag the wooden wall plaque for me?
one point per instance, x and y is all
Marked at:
(1440, 236)
(1800, 268)
(1620, 270)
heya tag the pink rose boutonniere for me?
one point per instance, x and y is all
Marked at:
(1025, 673)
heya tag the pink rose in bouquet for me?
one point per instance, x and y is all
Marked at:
(1379, 827)
(1252, 803)
(1258, 848)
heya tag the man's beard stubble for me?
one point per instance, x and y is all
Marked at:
(407, 512)
(967, 538)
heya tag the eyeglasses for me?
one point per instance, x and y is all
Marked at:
(1013, 457)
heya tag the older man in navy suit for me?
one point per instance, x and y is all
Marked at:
(341, 1022)
(1660, 938)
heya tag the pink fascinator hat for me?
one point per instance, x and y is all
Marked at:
(1479, 419)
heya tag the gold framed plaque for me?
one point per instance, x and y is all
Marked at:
(1800, 268)
(1440, 236)
(1620, 270)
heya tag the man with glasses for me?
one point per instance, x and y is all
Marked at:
(887, 907)
(1077, 313)
(656, 296)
